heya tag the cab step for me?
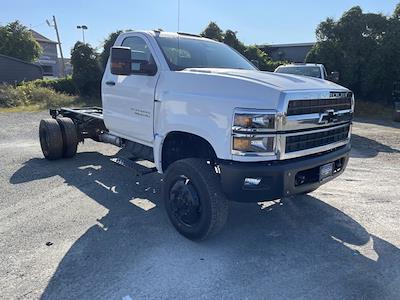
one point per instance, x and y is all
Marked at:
(132, 163)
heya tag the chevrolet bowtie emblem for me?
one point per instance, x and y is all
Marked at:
(329, 116)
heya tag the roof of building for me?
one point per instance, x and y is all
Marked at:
(288, 45)
(20, 60)
(41, 38)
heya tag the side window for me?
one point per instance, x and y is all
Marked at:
(325, 74)
(140, 53)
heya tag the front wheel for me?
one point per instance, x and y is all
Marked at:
(194, 202)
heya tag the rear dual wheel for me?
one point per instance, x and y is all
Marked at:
(69, 136)
(58, 138)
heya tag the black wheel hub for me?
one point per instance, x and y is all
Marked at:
(185, 202)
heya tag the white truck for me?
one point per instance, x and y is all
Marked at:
(308, 69)
(217, 127)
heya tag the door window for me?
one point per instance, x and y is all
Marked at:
(140, 53)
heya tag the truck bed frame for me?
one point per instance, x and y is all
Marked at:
(88, 120)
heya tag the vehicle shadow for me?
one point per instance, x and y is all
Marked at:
(363, 147)
(295, 248)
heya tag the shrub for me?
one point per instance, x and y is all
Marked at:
(11, 97)
(61, 85)
(29, 94)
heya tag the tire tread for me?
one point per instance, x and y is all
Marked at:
(218, 201)
(54, 137)
(69, 135)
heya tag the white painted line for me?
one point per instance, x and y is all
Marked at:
(144, 204)
(95, 167)
(112, 189)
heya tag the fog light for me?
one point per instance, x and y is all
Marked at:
(251, 182)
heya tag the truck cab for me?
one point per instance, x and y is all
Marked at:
(218, 129)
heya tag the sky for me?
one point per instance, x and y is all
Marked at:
(257, 21)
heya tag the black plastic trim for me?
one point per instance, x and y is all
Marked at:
(279, 176)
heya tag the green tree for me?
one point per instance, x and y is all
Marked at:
(17, 41)
(86, 71)
(212, 31)
(107, 44)
(231, 40)
(265, 63)
(364, 48)
(396, 13)
(252, 53)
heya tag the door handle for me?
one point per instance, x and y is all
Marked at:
(110, 82)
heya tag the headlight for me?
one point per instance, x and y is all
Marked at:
(254, 133)
(254, 144)
(253, 122)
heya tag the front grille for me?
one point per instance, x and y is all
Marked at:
(303, 107)
(313, 140)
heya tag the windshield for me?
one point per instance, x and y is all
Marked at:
(301, 70)
(196, 53)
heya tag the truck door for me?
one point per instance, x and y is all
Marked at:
(128, 101)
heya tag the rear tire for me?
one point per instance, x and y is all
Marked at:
(396, 116)
(51, 140)
(194, 201)
(69, 136)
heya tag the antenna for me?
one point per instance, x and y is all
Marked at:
(179, 16)
(179, 13)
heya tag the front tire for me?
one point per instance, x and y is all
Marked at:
(193, 198)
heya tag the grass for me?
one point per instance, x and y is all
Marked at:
(78, 102)
(24, 108)
(29, 97)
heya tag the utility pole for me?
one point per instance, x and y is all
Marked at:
(59, 44)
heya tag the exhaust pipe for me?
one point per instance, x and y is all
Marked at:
(110, 139)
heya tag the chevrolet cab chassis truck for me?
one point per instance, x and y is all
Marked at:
(216, 126)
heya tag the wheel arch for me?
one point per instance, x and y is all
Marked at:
(181, 144)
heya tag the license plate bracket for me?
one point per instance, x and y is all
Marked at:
(325, 171)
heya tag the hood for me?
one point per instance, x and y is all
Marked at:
(279, 81)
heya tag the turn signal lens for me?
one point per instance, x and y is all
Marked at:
(241, 144)
(254, 144)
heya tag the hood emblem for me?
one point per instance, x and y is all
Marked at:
(327, 117)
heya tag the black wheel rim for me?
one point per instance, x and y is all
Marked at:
(185, 202)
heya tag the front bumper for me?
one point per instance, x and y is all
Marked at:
(279, 178)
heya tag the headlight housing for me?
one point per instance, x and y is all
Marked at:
(254, 144)
(254, 133)
(254, 122)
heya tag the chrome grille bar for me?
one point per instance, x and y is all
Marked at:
(316, 106)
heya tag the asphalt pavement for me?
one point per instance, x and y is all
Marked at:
(87, 228)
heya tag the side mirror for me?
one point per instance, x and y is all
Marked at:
(256, 63)
(121, 61)
(148, 68)
(334, 76)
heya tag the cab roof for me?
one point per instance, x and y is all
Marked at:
(302, 64)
